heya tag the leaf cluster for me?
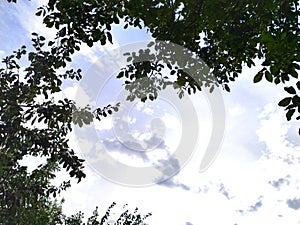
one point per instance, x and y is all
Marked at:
(291, 103)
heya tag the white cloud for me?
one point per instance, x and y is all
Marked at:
(148, 111)
(237, 110)
(171, 121)
(246, 182)
(131, 120)
(24, 13)
(32, 162)
(95, 52)
(2, 54)
(105, 123)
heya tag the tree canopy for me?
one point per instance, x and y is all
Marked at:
(226, 35)
(29, 127)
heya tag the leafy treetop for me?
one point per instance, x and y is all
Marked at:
(225, 34)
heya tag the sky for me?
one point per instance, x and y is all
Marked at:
(253, 180)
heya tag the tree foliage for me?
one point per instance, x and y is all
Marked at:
(226, 35)
(34, 123)
(126, 217)
(36, 127)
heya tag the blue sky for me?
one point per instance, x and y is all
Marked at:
(254, 180)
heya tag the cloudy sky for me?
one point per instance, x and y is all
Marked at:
(254, 179)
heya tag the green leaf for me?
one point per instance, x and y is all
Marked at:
(86, 120)
(289, 114)
(89, 43)
(277, 80)
(108, 27)
(151, 43)
(266, 63)
(181, 94)
(80, 123)
(151, 97)
(298, 85)
(285, 102)
(296, 66)
(120, 75)
(294, 74)
(109, 37)
(290, 90)
(258, 77)
(116, 20)
(50, 43)
(296, 100)
(63, 32)
(39, 13)
(226, 88)
(268, 76)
